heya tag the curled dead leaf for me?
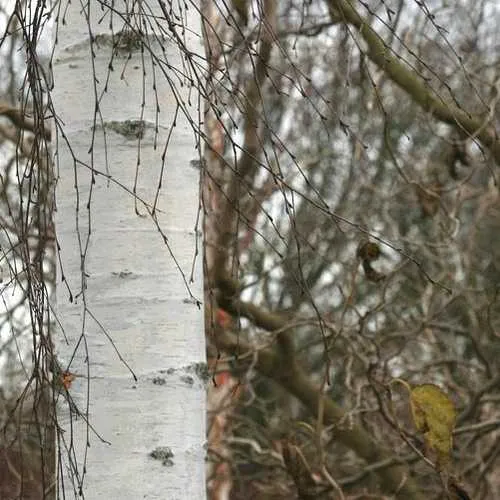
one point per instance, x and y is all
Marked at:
(434, 415)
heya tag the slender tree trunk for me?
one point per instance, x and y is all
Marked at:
(131, 325)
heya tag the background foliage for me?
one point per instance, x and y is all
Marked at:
(362, 243)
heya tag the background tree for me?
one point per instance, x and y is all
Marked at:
(349, 232)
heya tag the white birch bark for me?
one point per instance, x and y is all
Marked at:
(133, 286)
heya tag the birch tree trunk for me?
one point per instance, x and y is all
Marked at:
(130, 277)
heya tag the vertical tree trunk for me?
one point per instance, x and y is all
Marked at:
(127, 297)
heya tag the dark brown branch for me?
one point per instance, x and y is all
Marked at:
(281, 366)
(22, 122)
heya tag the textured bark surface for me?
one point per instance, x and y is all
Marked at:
(145, 437)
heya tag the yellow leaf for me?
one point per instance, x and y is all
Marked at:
(435, 416)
